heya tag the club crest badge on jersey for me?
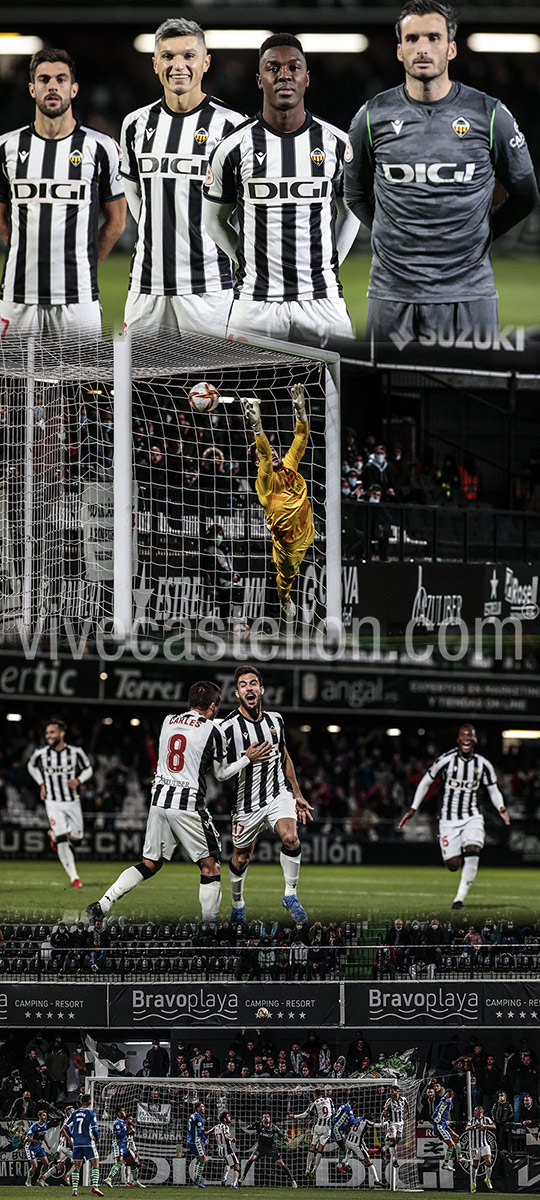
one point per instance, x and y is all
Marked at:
(461, 126)
(201, 136)
(317, 156)
(75, 158)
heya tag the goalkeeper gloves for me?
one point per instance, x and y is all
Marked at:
(298, 397)
(252, 413)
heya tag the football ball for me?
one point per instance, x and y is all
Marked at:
(204, 397)
(262, 1014)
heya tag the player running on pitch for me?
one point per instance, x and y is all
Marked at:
(35, 1141)
(267, 794)
(64, 1156)
(349, 1133)
(196, 1142)
(480, 1148)
(265, 1147)
(82, 1128)
(461, 824)
(443, 1131)
(190, 744)
(282, 491)
(226, 1148)
(420, 169)
(59, 769)
(319, 1113)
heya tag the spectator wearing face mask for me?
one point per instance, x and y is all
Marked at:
(502, 1115)
(379, 471)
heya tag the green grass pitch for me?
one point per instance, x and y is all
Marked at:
(253, 1193)
(517, 282)
(40, 891)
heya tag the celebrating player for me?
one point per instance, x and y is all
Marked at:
(64, 1156)
(189, 746)
(56, 177)
(282, 492)
(82, 1128)
(443, 1131)
(461, 825)
(274, 203)
(267, 794)
(59, 769)
(225, 1144)
(132, 1158)
(196, 1141)
(319, 1113)
(119, 1146)
(34, 1143)
(265, 1147)
(179, 278)
(480, 1148)
(420, 168)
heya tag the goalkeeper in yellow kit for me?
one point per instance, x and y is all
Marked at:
(282, 492)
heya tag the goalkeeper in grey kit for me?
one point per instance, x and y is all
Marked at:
(267, 1135)
(420, 168)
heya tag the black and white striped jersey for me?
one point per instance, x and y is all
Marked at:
(166, 155)
(189, 746)
(222, 1134)
(55, 767)
(478, 1135)
(55, 189)
(259, 783)
(394, 1110)
(284, 187)
(462, 779)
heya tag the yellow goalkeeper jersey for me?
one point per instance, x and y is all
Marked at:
(283, 494)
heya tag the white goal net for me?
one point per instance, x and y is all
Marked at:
(162, 1108)
(119, 501)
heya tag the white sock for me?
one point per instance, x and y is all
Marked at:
(317, 1160)
(309, 1161)
(488, 1170)
(210, 897)
(237, 887)
(65, 854)
(126, 882)
(291, 871)
(468, 875)
(373, 1168)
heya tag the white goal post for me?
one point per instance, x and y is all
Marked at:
(161, 1109)
(124, 509)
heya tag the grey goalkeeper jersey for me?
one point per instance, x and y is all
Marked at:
(426, 172)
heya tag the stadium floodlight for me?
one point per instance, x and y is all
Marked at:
(393, 732)
(216, 39)
(13, 716)
(522, 735)
(336, 43)
(333, 728)
(305, 729)
(12, 44)
(504, 43)
(135, 721)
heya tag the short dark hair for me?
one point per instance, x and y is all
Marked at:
(281, 39)
(51, 56)
(56, 721)
(247, 669)
(179, 27)
(224, 1114)
(86, 1098)
(423, 8)
(203, 694)
(119, 1109)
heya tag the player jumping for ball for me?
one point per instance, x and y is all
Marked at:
(461, 825)
(319, 1113)
(349, 1133)
(266, 1147)
(477, 1129)
(282, 492)
(443, 1130)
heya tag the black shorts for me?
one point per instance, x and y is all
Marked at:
(267, 1152)
(469, 324)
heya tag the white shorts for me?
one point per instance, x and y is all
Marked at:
(394, 1129)
(167, 828)
(230, 1157)
(480, 1150)
(247, 826)
(321, 1135)
(50, 319)
(291, 320)
(454, 835)
(150, 315)
(65, 817)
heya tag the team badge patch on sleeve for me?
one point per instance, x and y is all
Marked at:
(349, 152)
(461, 126)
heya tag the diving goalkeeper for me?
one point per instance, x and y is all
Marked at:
(282, 492)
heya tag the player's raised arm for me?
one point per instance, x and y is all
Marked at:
(292, 458)
(265, 471)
